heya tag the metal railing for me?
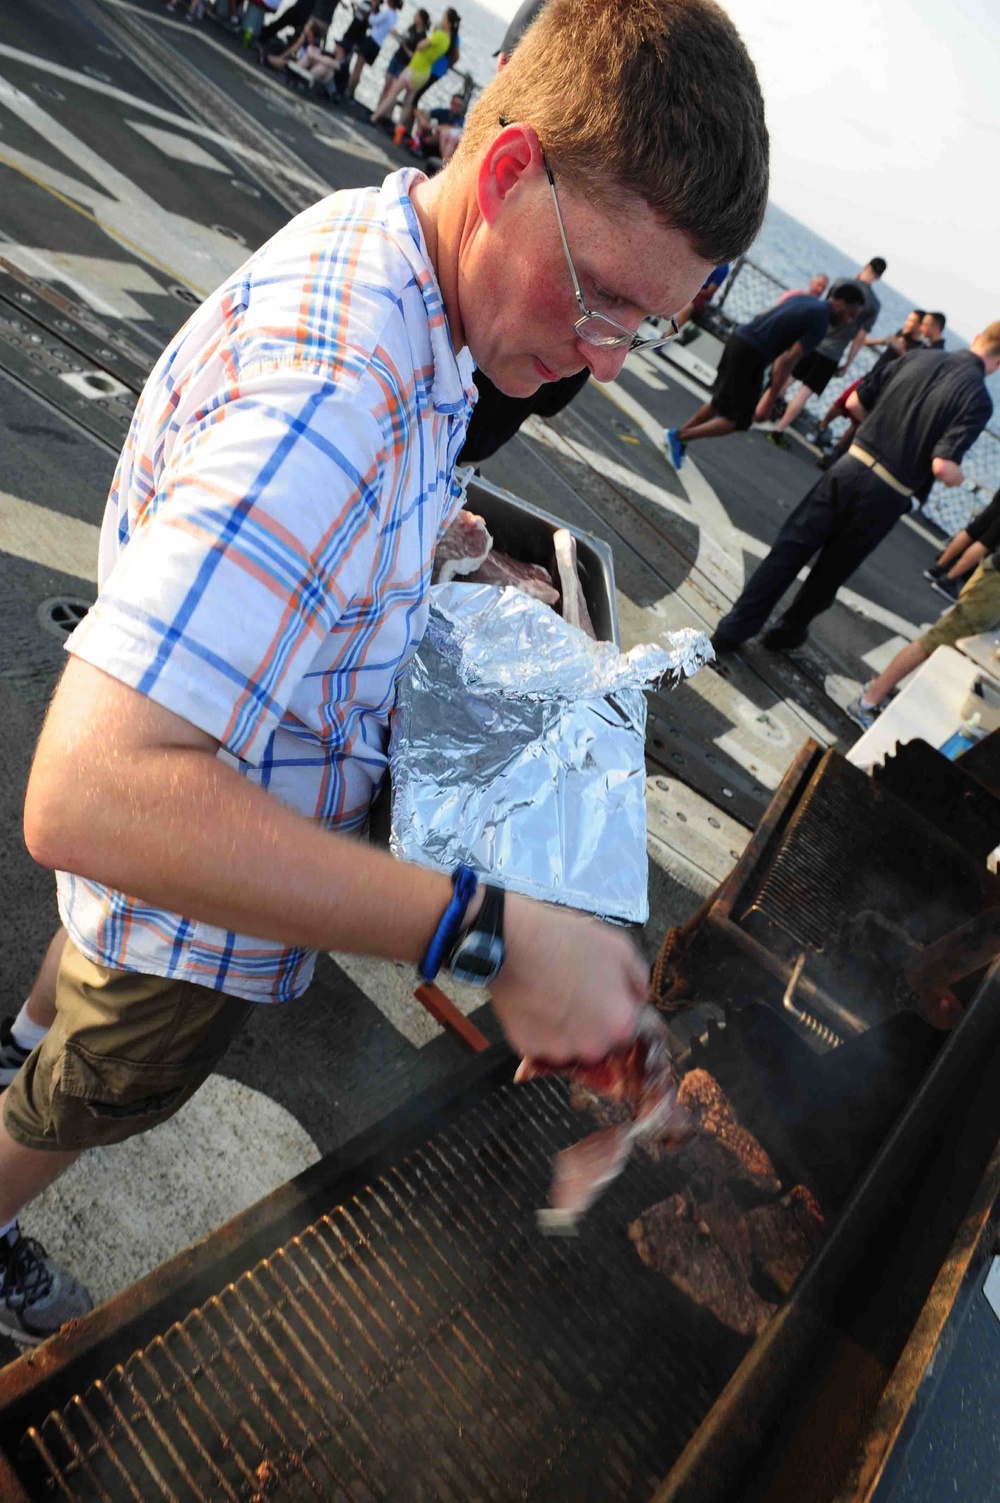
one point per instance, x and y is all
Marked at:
(751, 289)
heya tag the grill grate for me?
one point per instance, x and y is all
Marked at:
(421, 1341)
(852, 846)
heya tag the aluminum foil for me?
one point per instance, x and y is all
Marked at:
(518, 745)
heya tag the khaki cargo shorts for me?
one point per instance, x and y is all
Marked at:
(124, 1053)
(976, 609)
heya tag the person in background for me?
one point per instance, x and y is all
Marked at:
(966, 550)
(917, 418)
(418, 28)
(976, 610)
(380, 24)
(280, 55)
(818, 283)
(210, 754)
(932, 331)
(417, 76)
(438, 132)
(779, 337)
(448, 60)
(905, 339)
(815, 369)
(704, 295)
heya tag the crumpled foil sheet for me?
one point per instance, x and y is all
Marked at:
(517, 748)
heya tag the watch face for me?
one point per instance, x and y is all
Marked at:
(478, 958)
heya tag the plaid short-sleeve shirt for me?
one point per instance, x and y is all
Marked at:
(268, 542)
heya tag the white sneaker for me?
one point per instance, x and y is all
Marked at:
(36, 1296)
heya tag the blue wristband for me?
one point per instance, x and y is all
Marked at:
(464, 882)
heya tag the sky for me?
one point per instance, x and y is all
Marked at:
(885, 135)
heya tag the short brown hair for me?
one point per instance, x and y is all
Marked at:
(989, 339)
(658, 97)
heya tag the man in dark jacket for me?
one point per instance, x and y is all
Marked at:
(918, 417)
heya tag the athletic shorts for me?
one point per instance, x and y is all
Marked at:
(124, 1053)
(841, 403)
(397, 63)
(985, 526)
(814, 370)
(739, 382)
(977, 609)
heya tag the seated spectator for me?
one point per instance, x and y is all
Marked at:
(967, 549)
(976, 610)
(438, 132)
(414, 33)
(278, 53)
(414, 79)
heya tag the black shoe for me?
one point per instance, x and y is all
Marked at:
(783, 638)
(778, 440)
(949, 588)
(12, 1056)
(934, 572)
(722, 642)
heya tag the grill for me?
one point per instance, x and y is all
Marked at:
(392, 1325)
(421, 1341)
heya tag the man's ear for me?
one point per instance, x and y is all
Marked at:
(512, 158)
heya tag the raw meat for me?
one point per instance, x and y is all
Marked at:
(677, 1240)
(500, 569)
(574, 606)
(722, 1149)
(639, 1079)
(462, 549)
(784, 1236)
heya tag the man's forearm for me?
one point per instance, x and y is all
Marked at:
(181, 830)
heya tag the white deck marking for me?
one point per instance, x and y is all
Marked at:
(305, 178)
(390, 984)
(43, 536)
(180, 148)
(101, 283)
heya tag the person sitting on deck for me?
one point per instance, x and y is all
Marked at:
(209, 757)
(781, 334)
(976, 610)
(967, 549)
(438, 132)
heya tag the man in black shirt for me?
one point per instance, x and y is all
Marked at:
(932, 331)
(918, 417)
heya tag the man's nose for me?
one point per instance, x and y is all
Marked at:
(604, 362)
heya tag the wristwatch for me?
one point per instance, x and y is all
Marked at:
(480, 952)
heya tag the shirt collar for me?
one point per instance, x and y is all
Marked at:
(453, 386)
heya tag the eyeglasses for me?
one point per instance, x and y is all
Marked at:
(598, 328)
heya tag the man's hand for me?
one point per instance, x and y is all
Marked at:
(571, 988)
(948, 472)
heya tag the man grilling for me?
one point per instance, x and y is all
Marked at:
(266, 556)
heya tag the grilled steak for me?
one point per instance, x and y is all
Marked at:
(721, 1149)
(677, 1239)
(784, 1236)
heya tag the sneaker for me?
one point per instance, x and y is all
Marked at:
(36, 1296)
(778, 440)
(861, 714)
(12, 1056)
(675, 449)
(949, 588)
(782, 638)
(934, 572)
